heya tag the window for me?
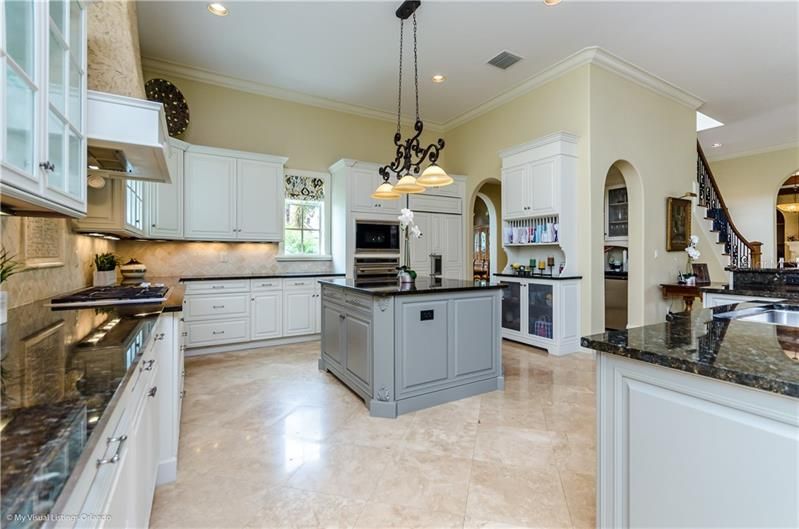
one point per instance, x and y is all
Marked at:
(306, 215)
(303, 227)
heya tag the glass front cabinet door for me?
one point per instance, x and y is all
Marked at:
(43, 91)
(512, 307)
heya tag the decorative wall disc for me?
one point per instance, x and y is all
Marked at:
(175, 106)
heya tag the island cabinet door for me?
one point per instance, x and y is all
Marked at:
(474, 342)
(358, 358)
(333, 345)
(422, 359)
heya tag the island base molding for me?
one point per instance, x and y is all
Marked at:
(256, 344)
(676, 449)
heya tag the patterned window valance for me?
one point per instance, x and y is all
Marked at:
(304, 187)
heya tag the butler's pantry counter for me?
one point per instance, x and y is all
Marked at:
(406, 347)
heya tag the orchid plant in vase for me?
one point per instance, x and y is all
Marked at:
(693, 256)
(406, 274)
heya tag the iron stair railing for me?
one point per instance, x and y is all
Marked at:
(742, 253)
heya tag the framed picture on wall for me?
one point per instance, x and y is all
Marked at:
(678, 224)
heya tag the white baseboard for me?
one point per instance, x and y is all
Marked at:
(167, 471)
(213, 349)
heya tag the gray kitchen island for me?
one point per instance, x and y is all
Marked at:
(406, 347)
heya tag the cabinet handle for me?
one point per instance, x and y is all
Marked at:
(219, 306)
(341, 316)
(217, 286)
(47, 166)
(149, 366)
(183, 394)
(299, 284)
(152, 225)
(113, 459)
(217, 332)
(152, 391)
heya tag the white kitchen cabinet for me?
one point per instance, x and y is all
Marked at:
(169, 348)
(259, 201)
(230, 195)
(43, 93)
(355, 182)
(442, 234)
(725, 454)
(164, 202)
(210, 196)
(266, 315)
(542, 312)
(616, 215)
(117, 208)
(299, 310)
(515, 185)
(714, 299)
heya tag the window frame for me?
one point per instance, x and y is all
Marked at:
(325, 220)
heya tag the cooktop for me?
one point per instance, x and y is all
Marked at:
(112, 295)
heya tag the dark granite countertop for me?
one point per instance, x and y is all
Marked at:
(258, 276)
(545, 277)
(757, 355)
(423, 285)
(61, 372)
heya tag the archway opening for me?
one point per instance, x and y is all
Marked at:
(787, 221)
(486, 253)
(616, 249)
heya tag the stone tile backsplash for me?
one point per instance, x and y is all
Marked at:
(212, 258)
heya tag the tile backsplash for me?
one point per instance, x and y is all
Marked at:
(39, 283)
(212, 258)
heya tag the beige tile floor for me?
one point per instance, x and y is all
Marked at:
(267, 441)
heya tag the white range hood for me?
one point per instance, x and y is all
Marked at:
(127, 138)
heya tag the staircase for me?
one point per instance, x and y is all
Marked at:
(741, 253)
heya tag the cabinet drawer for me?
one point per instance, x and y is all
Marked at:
(257, 285)
(435, 204)
(356, 302)
(300, 284)
(214, 307)
(207, 287)
(217, 332)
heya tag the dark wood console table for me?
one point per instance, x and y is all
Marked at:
(687, 292)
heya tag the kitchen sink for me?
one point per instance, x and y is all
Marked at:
(786, 315)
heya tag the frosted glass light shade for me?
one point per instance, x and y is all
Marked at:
(789, 207)
(434, 176)
(385, 191)
(408, 184)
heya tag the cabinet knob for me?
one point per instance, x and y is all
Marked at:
(47, 166)
(153, 391)
(341, 316)
(152, 225)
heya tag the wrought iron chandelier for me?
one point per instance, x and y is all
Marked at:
(410, 155)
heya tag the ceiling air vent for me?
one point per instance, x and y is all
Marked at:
(504, 60)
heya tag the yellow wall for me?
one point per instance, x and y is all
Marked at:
(749, 185)
(656, 137)
(313, 138)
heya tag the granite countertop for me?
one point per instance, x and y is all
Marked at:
(258, 276)
(757, 355)
(423, 285)
(545, 277)
(61, 371)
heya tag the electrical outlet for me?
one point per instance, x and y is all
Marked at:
(223, 257)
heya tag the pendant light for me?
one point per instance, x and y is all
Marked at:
(410, 155)
(791, 207)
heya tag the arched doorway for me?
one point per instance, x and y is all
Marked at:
(486, 255)
(616, 249)
(787, 220)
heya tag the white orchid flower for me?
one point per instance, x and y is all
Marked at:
(416, 232)
(693, 253)
(694, 240)
(406, 217)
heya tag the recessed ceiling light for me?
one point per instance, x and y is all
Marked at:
(716, 145)
(438, 78)
(551, 2)
(217, 9)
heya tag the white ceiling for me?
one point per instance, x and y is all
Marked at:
(741, 58)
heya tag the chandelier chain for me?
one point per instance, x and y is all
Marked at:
(399, 88)
(415, 68)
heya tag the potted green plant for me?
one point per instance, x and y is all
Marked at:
(8, 267)
(105, 265)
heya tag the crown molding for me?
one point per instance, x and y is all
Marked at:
(753, 152)
(192, 73)
(592, 55)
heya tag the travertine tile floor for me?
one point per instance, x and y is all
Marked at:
(268, 441)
